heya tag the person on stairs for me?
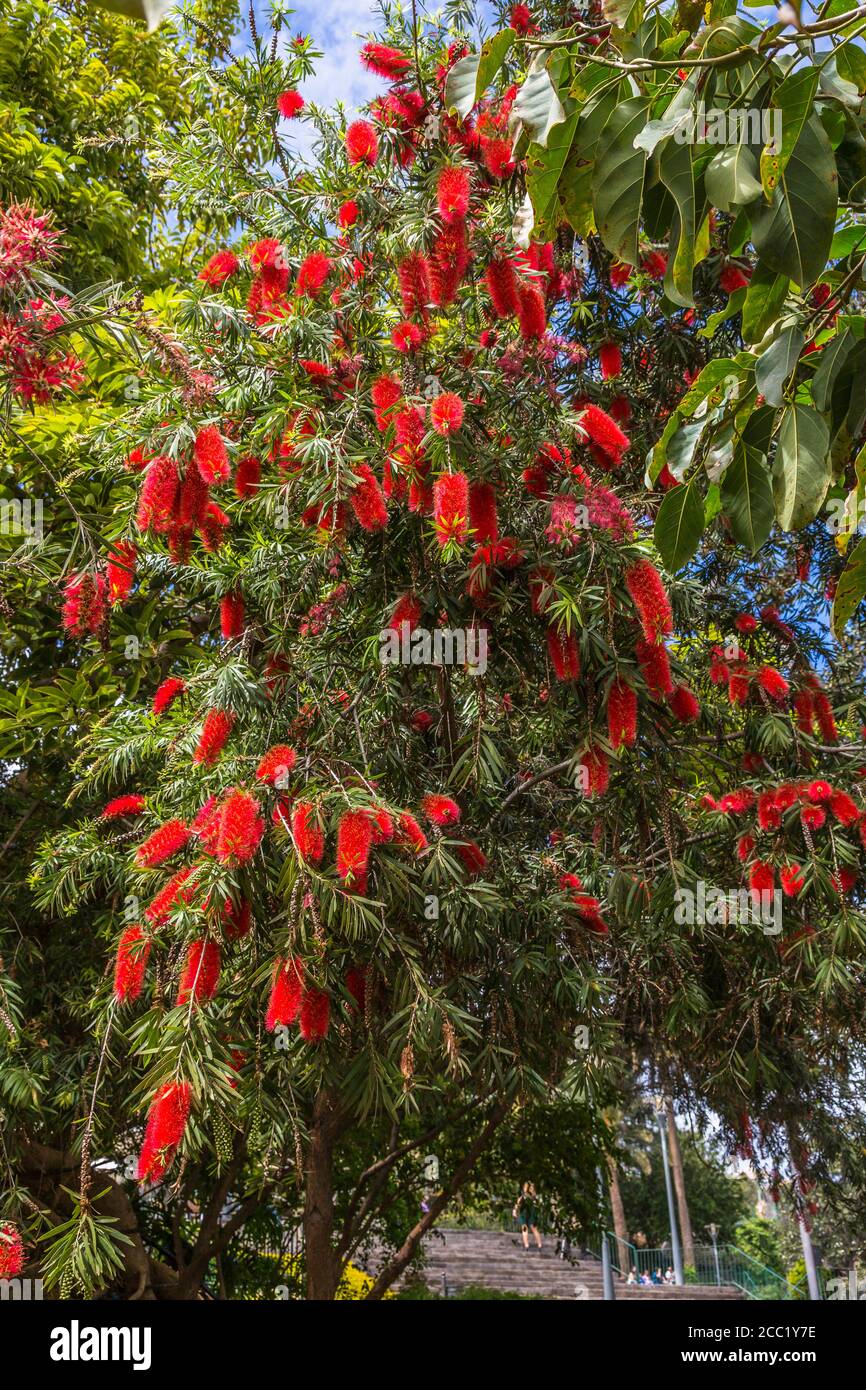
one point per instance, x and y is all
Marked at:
(525, 1212)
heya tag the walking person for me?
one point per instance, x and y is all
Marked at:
(526, 1213)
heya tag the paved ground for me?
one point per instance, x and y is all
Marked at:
(496, 1260)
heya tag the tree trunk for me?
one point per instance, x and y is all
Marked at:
(680, 1187)
(323, 1263)
(618, 1213)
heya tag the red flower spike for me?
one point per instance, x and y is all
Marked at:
(162, 844)
(240, 829)
(354, 843)
(315, 1015)
(276, 765)
(218, 724)
(440, 810)
(133, 949)
(210, 455)
(287, 988)
(201, 973)
(362, 145)
(622, 715)
(124, 806)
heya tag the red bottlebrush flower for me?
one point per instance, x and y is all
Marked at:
(315, 1015)
(356, 985)
(232, 616)
(620, 410)
(171, 894)
(745, 845)
(11, 1251)
(448, 262)
(131, 805)
(649, 597)
(308, 836)
(284, 1004)
(162, 844)
(420, 720)
(416, 292)
(267, 255)
(531, 313)
(744, 622)
(482, 513)
(452, 194)
(619, 274)
(167, 693)
(563, 653)
(133, 949)
(367, 501)
(290, 104)
(622, 715)
(844, 881)
(813, 817)
(792, 880)
(407, 337)
(825, 718)
(684, 705)
(362, 145)
(248, 476)
(735, 803)
(440, 810)
(587, 911)
(156, 502)
(347, 214)
(407, 610)
(84, 609)
(473, 857)
(192, 499)
(318, 370)
(201, 973)
(383, 825)
(819, 791)
(120, 570)
(709, 803)
(655, 666)
(354, 843)
(312, 274)
(773, 683)
(520, 19)
(218, 724)
(769, 815)
(385, 61)
(446, 413)
(804, 711)
(654, 264)
(166, 1125)
(276, 765)
(604, 432)
(219, 268)
(610, 360)
(240, 829)
(386, 392)
(762, 878)
(734, 277)
(596, 772)
(503, 287)
(408, 833)
(844, 809)
(210, 455)
(451, 507)
(738, 687)
(785, 797)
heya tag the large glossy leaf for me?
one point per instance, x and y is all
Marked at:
(832, 359)
(763, 303)
(537, 107)
(747, 498)
(675, 171)
(679, 526)
(802, 472)
(774, 366)
(544, 168)
(618, 181)
(793, 98)
(493, 53)
(460, 86)
(851, 588)
(793, 235)
(731, 178)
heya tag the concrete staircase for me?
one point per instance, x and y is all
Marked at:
(457, 1258)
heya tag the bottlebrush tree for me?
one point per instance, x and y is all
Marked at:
(339, 884)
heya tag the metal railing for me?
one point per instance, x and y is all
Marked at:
(724, 1264)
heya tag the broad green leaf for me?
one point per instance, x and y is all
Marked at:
(460, 86)
(851, 588)
(802, 471)
(575, 194)
(774, 366)
(794, 98)
(543, 170)
(747, 498)
(618, 181)
(493, 53)
(679, 525)
(537, 107)
(763, 303)
(832, 358)
(793, 235)
(675, 171)
(730, 178)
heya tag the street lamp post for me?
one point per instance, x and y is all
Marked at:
(679, 1277)
(608, 1291)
